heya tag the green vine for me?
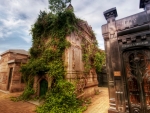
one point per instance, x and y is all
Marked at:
(99, 60)
(49, 43)
(92, 56)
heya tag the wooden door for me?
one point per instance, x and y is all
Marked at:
(43, 87)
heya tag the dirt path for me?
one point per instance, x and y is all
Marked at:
(8, 106)
(99, 102)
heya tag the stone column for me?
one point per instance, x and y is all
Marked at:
(113, 64)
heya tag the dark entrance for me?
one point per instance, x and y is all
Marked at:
(43, 87)
(137, 75)
(9, 79)
(102, 78)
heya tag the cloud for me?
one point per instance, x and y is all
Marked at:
(17, 16)
(92, 12)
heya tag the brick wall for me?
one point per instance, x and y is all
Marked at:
(7, 61)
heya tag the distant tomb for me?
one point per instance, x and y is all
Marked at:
(10, 63)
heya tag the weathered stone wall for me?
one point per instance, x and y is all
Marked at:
(9, 60)
(86, 82)
(16, 84)
(73, 54)
(4, 71)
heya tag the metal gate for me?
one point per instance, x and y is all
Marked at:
(137, 75)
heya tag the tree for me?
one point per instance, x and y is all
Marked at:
(58, 5)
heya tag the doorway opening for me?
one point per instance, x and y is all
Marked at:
(43, 87)
(9, 79)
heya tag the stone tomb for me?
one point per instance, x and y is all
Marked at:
(10, 62)
(127, 46)
(87, 83)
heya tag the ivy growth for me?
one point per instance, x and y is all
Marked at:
(58, 5)
(99, 60)
(48, 45)
(92, 56)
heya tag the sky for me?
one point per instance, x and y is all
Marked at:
(17, 17)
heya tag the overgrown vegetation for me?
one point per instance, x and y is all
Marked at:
(58, 5)
(49, 43)
(92, 56)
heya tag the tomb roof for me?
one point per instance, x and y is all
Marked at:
(19, 51)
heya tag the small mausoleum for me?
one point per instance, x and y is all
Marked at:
(86, 81)
(10, 76)
(127, 46)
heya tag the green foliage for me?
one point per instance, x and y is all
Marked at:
(56, 69)
(49, 43)
(87, 63)
(61, 99)
(28, 91)
(58, 5)
(99, 60)
(92, 56)
(34, 67)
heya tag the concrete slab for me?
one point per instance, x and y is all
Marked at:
(36, 102)
(4, 91)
